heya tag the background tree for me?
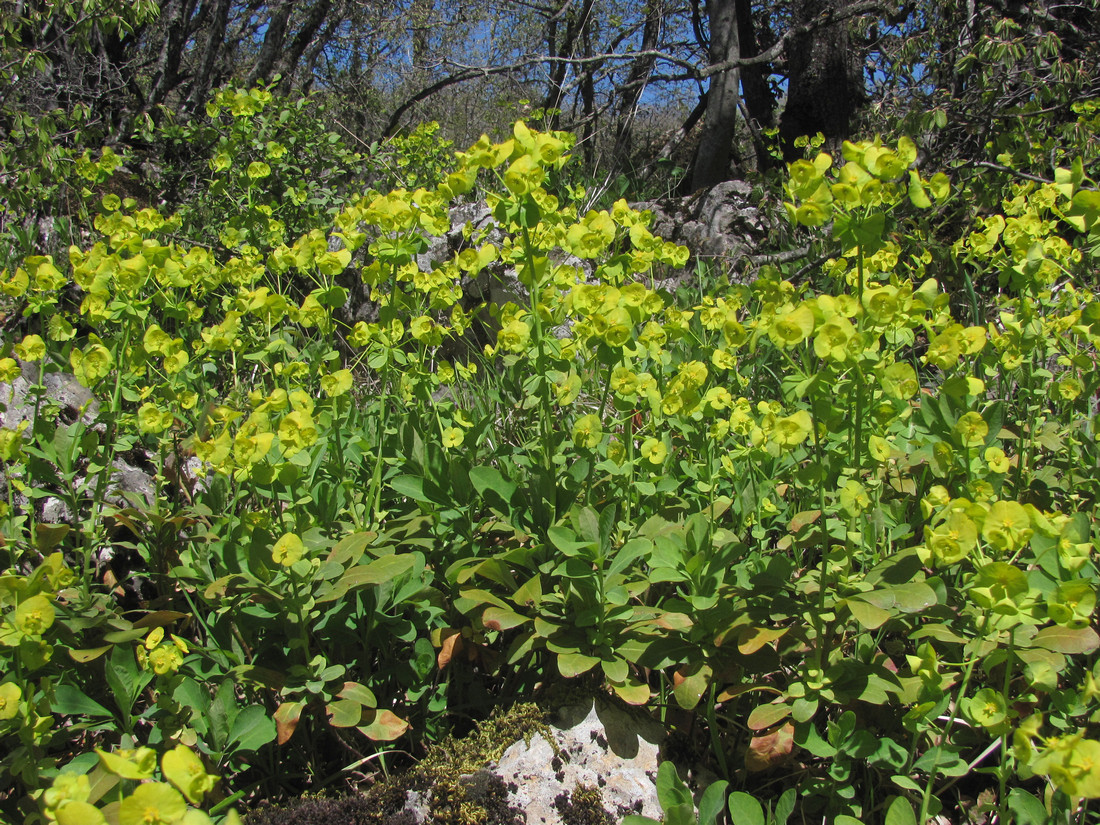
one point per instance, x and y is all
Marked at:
(824, 75)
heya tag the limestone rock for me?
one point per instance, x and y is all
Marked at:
(73, 399)
(725, 224)
(596, 755)
(598, 745)
(70, 401)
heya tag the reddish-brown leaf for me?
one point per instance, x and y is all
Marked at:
(771, 749)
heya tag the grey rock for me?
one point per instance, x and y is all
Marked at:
(70, 401)
(598, 744)
(725, 224)
(73, 399)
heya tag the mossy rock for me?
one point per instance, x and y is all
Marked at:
(587, 763)
(451, 783)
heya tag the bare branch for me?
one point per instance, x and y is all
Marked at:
(830, 17)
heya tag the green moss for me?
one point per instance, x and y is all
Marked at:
(487, 743)
(583, 807)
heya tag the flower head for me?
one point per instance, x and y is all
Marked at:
(10, 694)
(287, 550)
(654, 451)
(152, 803)
(587, 431)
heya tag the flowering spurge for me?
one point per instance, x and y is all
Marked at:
(167, 801)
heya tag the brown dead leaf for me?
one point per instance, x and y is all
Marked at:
(286, 720)
(450, 645)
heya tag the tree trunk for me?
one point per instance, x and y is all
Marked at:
(420, 15)
(292, 55)
(759, 100)
(824, 86)
(588, 101)
(204, 71)
(274, 37)
(712, 159)
(575, 25)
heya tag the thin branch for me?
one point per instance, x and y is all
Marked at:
(465, 73)
(691, 70)
(985, 164)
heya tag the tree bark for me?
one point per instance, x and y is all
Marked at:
(712, 159)
(824, 87)
(576, 21)
(420, 14)
(176, 15)
(204, 71)
(292, 55)
(274, 37)
(759, 99)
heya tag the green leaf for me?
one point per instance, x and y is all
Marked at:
(632, 691)
(900, 812)
(379, 571)
(493, 487)
(574, 664)
(868, 615)
(498, 618)
(125, 677)
(629, 552)
(251, 730)
(344, 713)
(88, 655)
(683, 814)
(567, 542)
(1028, 809)
(121, 637)
(806, 736)
(638, 819)
(358, 693)
(712, 802)
(223, 711)
(384, 726)
(671, 789)
(942, 759)
(745, 810)
(418, 489)
(917, 194)
(351, 548)
(907, 598)
(751, 639)
(906, 782)
(690, 688)
(764, 716)
(72, 701)
(286, 720)
(785, 806)
(615, 669)
(1067, 640)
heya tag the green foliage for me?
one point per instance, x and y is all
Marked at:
(50, 152)
(838, 523)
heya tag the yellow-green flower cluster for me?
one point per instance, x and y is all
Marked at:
(960, 529)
